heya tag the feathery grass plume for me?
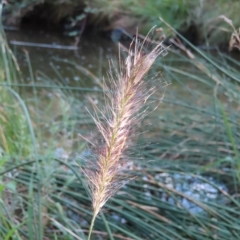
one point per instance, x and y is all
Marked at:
(128, 94)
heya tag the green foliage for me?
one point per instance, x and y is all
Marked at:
(148, 12)
(14, 130)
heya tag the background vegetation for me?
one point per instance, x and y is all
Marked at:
(198, 20)
(186, 162)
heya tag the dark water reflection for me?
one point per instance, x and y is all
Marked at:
(93, 55)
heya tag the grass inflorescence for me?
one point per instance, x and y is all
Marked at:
(128, 95)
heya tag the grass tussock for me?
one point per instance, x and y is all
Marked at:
(128, 95)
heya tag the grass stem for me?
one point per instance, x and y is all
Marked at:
(91, 226)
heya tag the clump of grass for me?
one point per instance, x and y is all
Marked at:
(127, 95)
(235, 37)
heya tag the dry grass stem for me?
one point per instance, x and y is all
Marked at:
(128, 95)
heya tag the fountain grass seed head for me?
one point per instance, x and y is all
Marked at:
(128, 94)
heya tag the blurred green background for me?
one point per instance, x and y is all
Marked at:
(185, 154)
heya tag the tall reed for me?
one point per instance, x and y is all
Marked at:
(128, 94)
